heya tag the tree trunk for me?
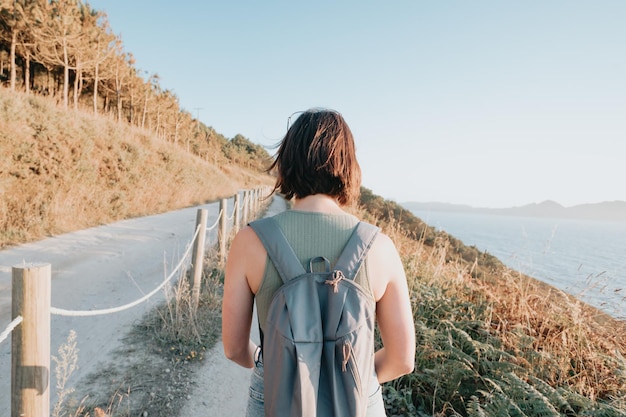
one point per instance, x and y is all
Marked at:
(66, 86)
(76, 82)
(119, 107)
(145, 111)
(132, 106)
(66, 76)
(13, 69)
(95, 88)
(27, 73)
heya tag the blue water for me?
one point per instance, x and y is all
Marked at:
(582, 257)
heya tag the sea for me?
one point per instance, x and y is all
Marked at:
(586, 258)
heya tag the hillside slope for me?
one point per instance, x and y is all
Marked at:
(63, 171)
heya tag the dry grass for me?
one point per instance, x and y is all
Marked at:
(153, 372)
(65, 171)
(491, 340)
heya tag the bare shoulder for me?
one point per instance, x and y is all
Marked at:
(247, 236)
(247, 257)
(246, 245)
(383, 251)
(384, 264)
(383, 245)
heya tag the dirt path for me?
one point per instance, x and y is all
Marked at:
(220, 387)
(105, 267)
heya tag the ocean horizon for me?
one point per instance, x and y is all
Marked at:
(584, 258)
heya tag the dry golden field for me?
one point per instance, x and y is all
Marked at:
(68, 170)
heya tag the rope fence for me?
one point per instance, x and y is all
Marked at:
(10, 328)
(217, 221)
(232, 216)
(32, 310)
(88, 313)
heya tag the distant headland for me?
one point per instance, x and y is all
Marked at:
(606, 211)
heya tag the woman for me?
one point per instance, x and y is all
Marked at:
(316, 166)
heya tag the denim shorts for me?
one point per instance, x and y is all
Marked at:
(255, 408)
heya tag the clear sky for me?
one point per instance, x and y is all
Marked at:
(488, 103)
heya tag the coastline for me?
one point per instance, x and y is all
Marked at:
(581, 258)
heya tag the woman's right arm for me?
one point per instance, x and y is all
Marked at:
(245, 263)
(394, 313)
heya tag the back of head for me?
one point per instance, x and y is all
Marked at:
(318, 156)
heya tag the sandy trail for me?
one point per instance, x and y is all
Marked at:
(109, 266)
(221, 387)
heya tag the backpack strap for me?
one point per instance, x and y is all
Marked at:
(279, 251)
(356, 249)
(278, 248)
(349, 263)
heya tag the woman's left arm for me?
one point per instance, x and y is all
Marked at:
(394, 312)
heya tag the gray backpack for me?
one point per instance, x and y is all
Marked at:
(318, 346)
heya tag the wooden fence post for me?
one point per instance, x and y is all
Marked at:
(30, 341)
(222, 235)
(197, 257)
(246, 207)
(237, 214)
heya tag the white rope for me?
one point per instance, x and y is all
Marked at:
(87, 313)
(208, 229)
(232, 216)
(16, 321)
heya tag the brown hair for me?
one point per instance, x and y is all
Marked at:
(318, 156)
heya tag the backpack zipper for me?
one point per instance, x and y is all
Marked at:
(348, 359)
(337, 276)
(347, 352)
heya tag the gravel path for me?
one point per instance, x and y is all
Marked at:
(221, 386)
(109, 266)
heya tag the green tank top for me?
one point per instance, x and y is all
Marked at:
(310, 235)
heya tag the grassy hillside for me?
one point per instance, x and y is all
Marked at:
(65, 170)
(493, 342)
(490, 341)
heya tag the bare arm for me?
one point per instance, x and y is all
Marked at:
(243, 261)
(393, 312)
